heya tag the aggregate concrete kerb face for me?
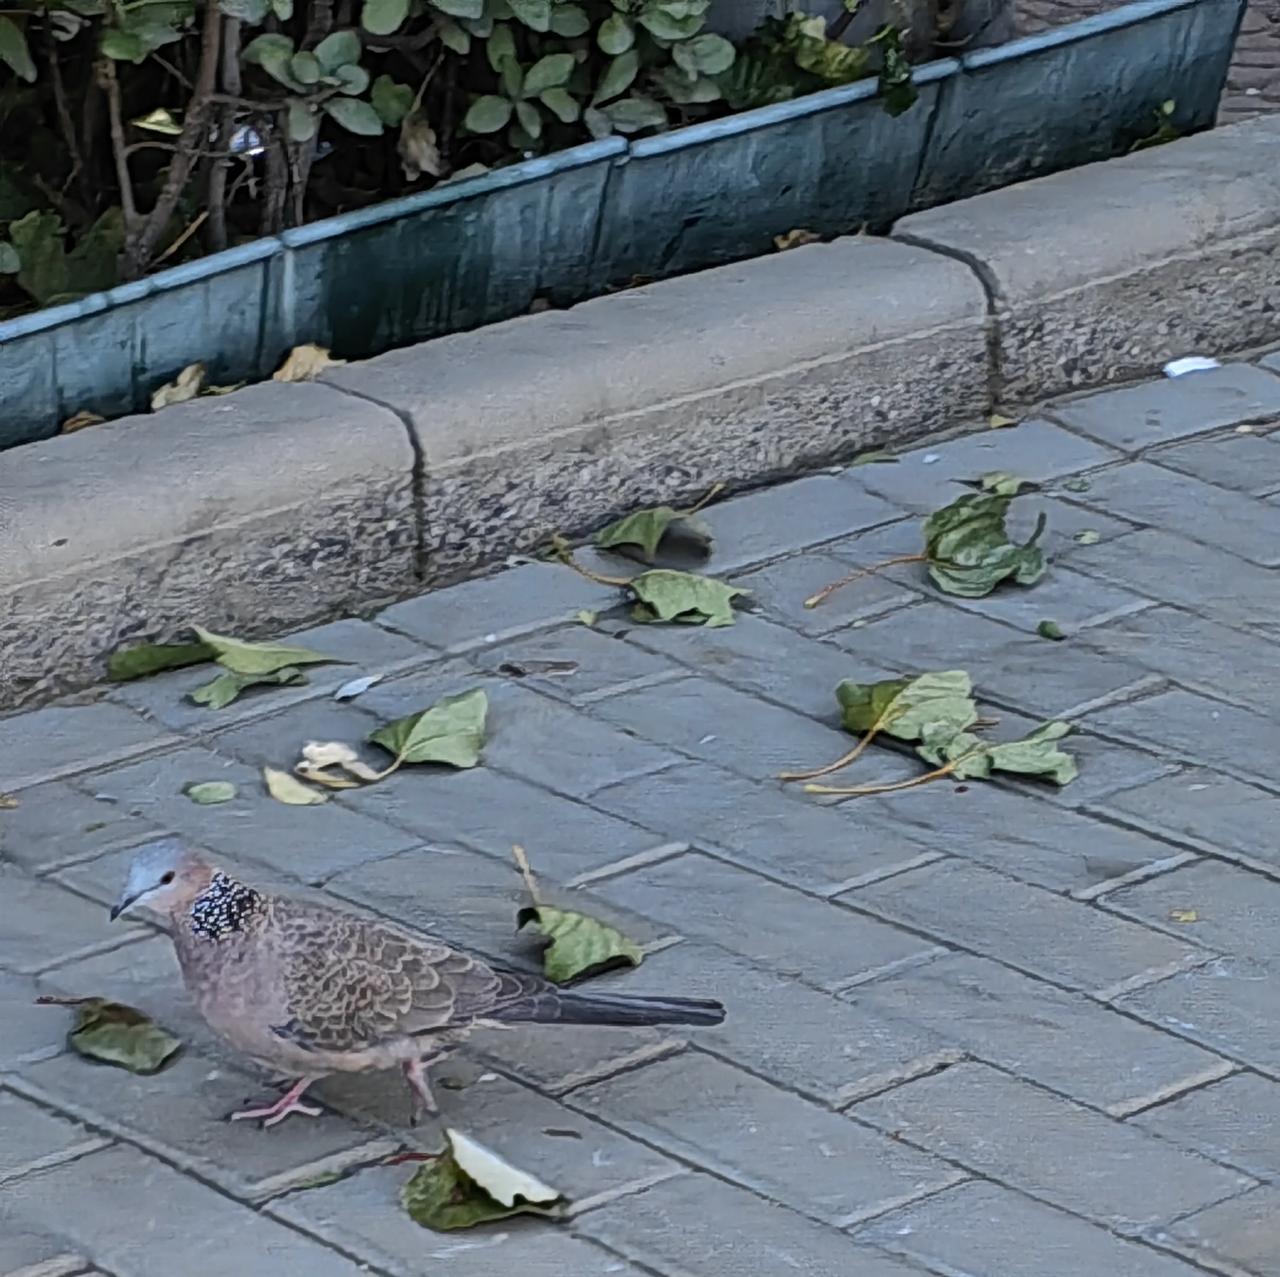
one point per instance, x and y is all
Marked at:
(281, 505)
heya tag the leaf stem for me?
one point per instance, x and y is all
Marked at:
(939, 773)
(526, 872)
(714, 491)
(844, 761)
(828, 590)
(564, 552)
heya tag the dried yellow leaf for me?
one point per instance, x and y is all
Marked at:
(186, 385)
(303, 363)
(289, 789)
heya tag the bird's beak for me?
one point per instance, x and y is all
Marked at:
(123, 906)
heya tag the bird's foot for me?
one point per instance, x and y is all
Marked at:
(270, 1114)
(415, 1073)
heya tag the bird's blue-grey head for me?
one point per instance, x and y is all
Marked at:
(163, 875)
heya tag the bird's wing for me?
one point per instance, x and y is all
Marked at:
(352, 983)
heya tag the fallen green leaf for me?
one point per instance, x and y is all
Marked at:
(208, 792)
(1035, 755)
(451, 731)
(117, 1034)
(580, 946)
(880, 458)
(909, 709)
(468, 1185)
(242, 657)
(1050, 630)
(1004, 484)
(968, 549)
(1076, 485)
(587, 618)
(1087, 536)
(998, 421)
(675, 596)
(150, 658)
(646, 529)
(221, 691)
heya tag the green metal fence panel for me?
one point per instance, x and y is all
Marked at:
(1076, 94)
(832, 162)
(453, 258)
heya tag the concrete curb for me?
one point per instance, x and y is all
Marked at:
(278, 506)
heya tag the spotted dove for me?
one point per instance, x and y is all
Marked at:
(308, 991)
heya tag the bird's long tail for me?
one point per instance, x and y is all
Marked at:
(564, 1007)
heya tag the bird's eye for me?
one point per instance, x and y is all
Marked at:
(168, 878)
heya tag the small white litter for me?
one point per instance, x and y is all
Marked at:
(1190, 363)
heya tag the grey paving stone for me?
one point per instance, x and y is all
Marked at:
(1227, 1006)
(984, 1230)
(780, 589)
(720, 725)
(922, 480)
(766, 1139)
(1236, 1121)
(1196, 653)
(178, 1115)
(556, 1062)
(138, 1217)
(518, 601)
(365, 649)
(528, 735)
(600, 662)
(1171, 569)
(277, 739)
(42, 924)
(772, 925)
(309, 843)
(766, 827)
(1137, 417)
(793, 516)
(1235, 910)
(1211, 812)
(1052, 1148)
(56, 824)
(1001, 828)
(696, 1226)
(1073, 601)
(1244, 463)
(1197, 510)
(489, 812)
(515, 1122)
(793, 1035)
(25, 1252)
(469, 900)
(34, 1138)
(759, 657)
(1061, 1040)
(1243, 1233)
(1271, 361)
(30, 1031)
(1023, 671)
(1197, 730)
(1032, 930)
(46, 744)
(362, 1215)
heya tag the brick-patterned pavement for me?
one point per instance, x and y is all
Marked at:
(994, 1029)
(1254, 82)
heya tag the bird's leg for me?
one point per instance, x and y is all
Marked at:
(415, 1073)
(289, 1102)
